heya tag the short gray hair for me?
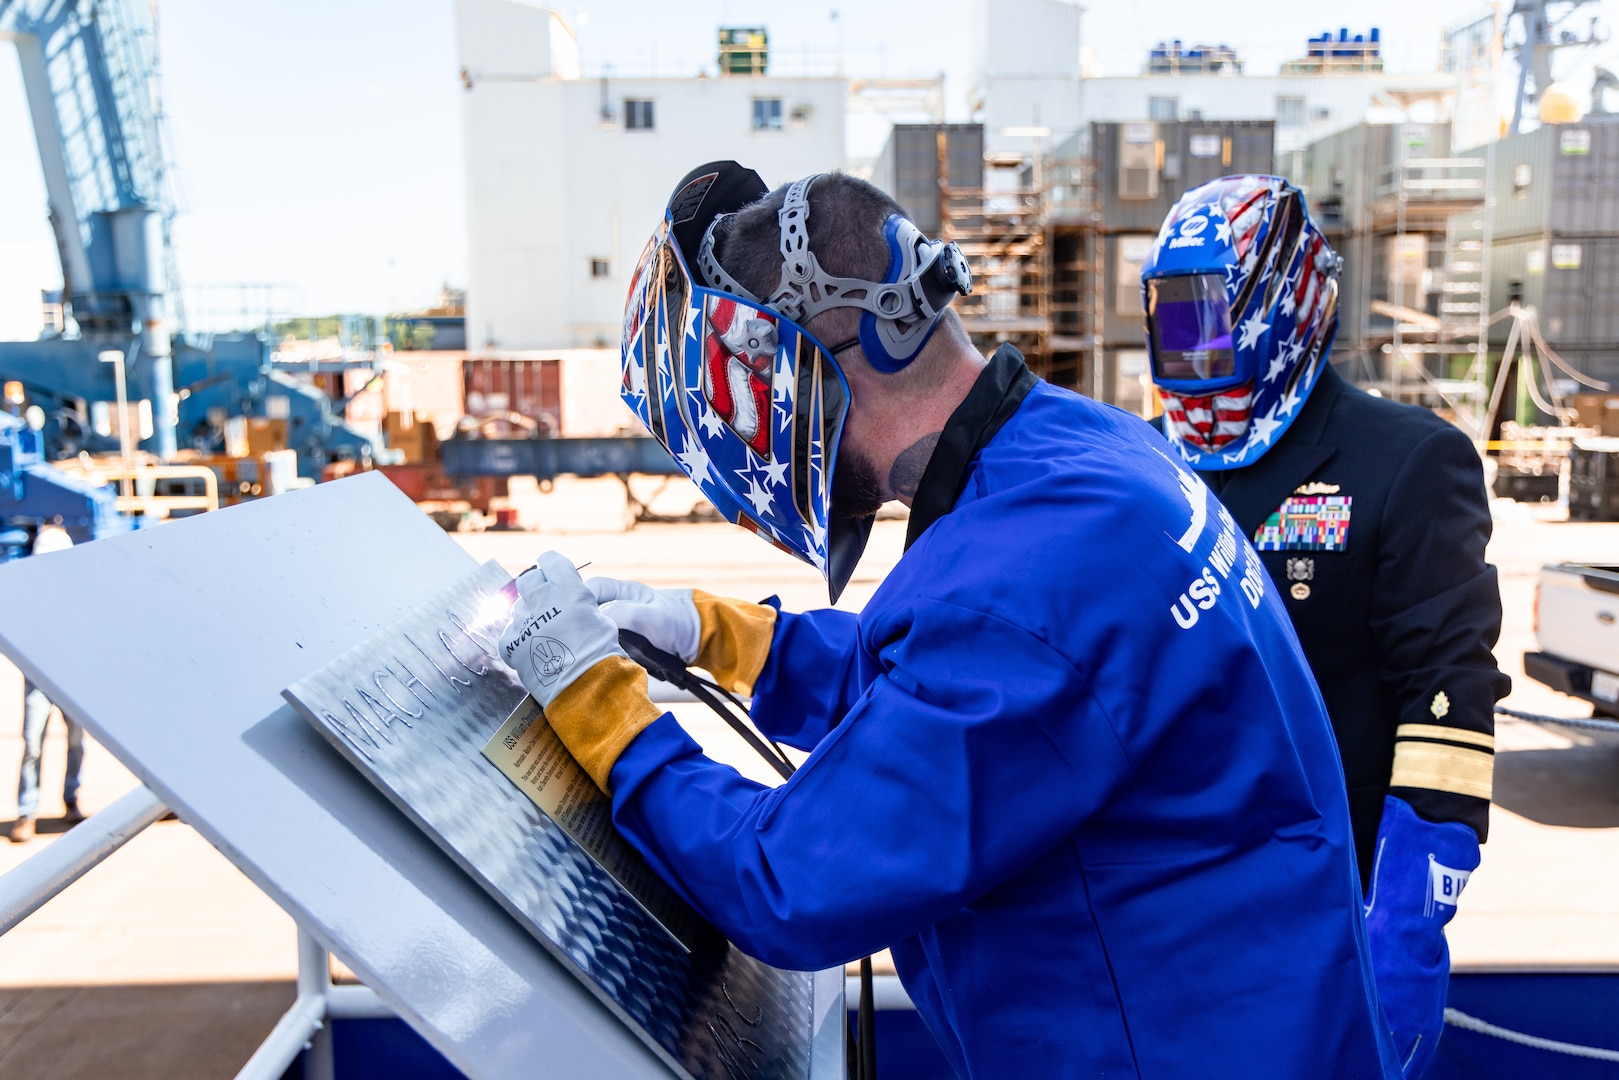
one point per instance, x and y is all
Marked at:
(846, 219)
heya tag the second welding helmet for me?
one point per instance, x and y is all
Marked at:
(750, 404)
(1241, 296)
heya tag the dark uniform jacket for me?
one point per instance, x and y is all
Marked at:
(1377, 522)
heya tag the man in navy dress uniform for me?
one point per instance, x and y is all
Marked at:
(1371, 518)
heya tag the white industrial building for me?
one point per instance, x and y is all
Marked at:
(1304, 107)
(1025, 76)
(1029, 89)
(567, 176)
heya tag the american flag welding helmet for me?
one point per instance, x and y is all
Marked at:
(1241, 295)
(748, 402)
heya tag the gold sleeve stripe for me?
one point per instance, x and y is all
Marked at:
(1442, 768)
(1449, 734)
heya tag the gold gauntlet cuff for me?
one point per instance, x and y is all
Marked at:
(735, 639)
(600, 712)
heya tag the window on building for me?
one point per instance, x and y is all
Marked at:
(1320, 114)
(637, 114)
(1289, 112)
(1163, 109)
(767, 114)
(600, 268)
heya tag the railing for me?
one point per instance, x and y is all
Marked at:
(1452, 179)
(28, 887)
(304, 1026)
(136, 476)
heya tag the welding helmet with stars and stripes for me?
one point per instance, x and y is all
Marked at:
(743, 397)
(1241, 295)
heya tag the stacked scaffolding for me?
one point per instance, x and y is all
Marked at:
(1440, 357)
(1409, 221)
(1074, 240)
(1000, 228)
(994, 208)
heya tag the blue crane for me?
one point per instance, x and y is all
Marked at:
(90, 74)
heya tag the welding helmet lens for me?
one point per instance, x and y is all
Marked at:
(1189, 332)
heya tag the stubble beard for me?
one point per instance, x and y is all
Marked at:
(855, 490)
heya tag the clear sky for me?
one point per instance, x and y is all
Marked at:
(318, 141)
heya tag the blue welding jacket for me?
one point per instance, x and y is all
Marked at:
(1092, 804)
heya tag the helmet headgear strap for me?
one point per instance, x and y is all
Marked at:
(939, 275)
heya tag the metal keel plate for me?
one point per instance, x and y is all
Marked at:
(416, 708)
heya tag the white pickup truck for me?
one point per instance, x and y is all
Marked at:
(1577, 628)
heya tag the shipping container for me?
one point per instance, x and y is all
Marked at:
(1357, 283)
(908, 167)
(1142, 169)
(1558, 180)
(1345, 174)
(1593, 480)
(1123, 320)
(1572, 282)
(531, 388)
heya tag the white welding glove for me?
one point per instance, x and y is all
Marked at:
(666, 617)
(557, 632)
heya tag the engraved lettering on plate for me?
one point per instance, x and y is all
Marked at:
(449, 647)
(385, 716)
(456, 682)
(758, 1012)
(467, 755)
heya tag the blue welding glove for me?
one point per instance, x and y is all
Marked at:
(1420, 870)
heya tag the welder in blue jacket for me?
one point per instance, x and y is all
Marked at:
(1372, 519)
(1068, 763)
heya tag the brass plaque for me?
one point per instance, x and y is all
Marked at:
(531, 756)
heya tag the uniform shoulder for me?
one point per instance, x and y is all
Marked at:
(1378, 417)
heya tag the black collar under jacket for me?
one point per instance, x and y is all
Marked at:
(1253, 493)
(996, 394)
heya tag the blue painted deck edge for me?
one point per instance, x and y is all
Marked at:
(1569, 1007)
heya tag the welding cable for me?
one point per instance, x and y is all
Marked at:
(669, 667)
(860, 1049)
(741, 708)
